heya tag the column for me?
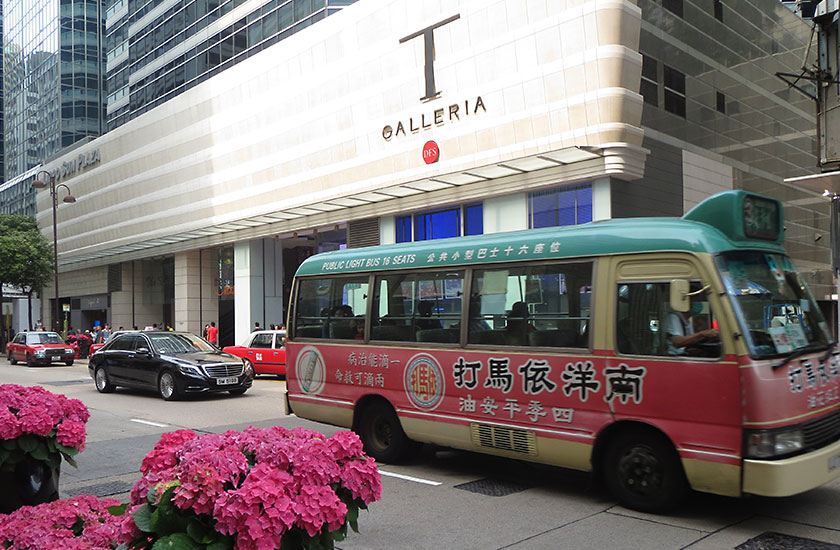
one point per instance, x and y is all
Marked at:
(249, 305)
(601, 199)
(187, 291)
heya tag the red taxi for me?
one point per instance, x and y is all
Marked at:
(40, 348)
(264, 350)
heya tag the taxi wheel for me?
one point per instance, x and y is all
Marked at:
(12, 359)
(103, 383)
(69, 363)
(28, 360)
(166, 386)
(643, 471)
(382, 434)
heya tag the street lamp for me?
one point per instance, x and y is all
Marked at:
(40, 184)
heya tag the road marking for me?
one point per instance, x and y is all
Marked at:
(409, 478)
(149, 422)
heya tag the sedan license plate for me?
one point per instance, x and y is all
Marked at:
(227, 381)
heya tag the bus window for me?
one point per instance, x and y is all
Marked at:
(331, 308)
(418, 307)
(531, 306)
(646, 325)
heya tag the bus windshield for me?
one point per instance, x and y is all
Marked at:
(775, 308)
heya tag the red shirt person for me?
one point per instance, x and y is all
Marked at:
(213, 333)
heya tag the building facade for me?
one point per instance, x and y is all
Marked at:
(52, 78)
(157, 50)
(402, 120)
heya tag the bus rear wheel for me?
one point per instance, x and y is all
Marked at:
(643, 472)
(382, 434)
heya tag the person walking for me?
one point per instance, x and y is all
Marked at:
(213, 334)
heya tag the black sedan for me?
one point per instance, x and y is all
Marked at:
(173, 363)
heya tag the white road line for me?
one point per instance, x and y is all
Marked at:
(149, 422)
(409, 478)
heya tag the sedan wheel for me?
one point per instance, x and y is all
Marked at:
(166, 387)
(103, 383)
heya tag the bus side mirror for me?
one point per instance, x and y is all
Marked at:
(679, 300)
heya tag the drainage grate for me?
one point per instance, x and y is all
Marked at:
(779, 541)
(67, 382)
(493, 487)
(102, 489)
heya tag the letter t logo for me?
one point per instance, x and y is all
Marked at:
(429, 46)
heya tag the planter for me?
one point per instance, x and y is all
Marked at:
(31, 482)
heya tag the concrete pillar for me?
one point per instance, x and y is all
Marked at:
(387, 230)
(249, 282)
(187, 291)
(508, 213)
(601, 199)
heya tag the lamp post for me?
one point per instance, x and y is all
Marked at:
(41, 184)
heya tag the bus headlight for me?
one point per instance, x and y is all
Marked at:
(772, 443)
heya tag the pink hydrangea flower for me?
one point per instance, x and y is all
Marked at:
(35, 420)
(316, 506)
(71, 433)
(362, 479)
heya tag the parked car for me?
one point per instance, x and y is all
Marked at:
(96, 347)
(264, 350)
(173, 363)
(39, 348)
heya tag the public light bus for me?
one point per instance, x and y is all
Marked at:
(660, 353)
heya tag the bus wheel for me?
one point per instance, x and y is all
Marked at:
(644, 472)
(382, 434)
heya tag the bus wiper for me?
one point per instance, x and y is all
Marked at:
(797, 353)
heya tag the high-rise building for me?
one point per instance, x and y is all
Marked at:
(157, 50)
(52, 78)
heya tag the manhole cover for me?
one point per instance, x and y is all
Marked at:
(779, 541)
(492, 487)
(102, 489)
(67, 382)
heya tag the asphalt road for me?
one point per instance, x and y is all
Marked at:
(443, 499)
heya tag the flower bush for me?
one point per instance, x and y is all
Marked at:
(79, 523)
(37, 423)
(259, 489)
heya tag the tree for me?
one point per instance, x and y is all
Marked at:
(25, 256)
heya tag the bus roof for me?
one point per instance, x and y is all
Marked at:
(714, 225)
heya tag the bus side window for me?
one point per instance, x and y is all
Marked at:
(417, 307)
(538, 306)
(646, 325)
(324, 307)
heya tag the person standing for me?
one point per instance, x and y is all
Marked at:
(256, 326)
(213, 334)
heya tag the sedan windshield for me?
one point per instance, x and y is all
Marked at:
(777, 313)
(176, 343)
(43, 338)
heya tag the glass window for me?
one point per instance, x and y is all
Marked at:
(437, 225)
(331, 308)
(262, 341)
(557, 207)
(441, 224)
(674, 91)
(531, 306)
(674, 6)
(421, 307)
(649, 87)
(646, 325)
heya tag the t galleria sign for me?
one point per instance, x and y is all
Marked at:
(442, 115)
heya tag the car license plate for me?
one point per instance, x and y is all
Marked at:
(55, 358)
(227, 381)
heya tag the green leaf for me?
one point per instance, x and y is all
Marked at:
(141, 518)
(176, 541)
(225, 544)
(117, 510)
(40, 452)
(27, 443)
(352, 513)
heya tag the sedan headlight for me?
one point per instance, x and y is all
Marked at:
(772, 443)
(189, 369)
